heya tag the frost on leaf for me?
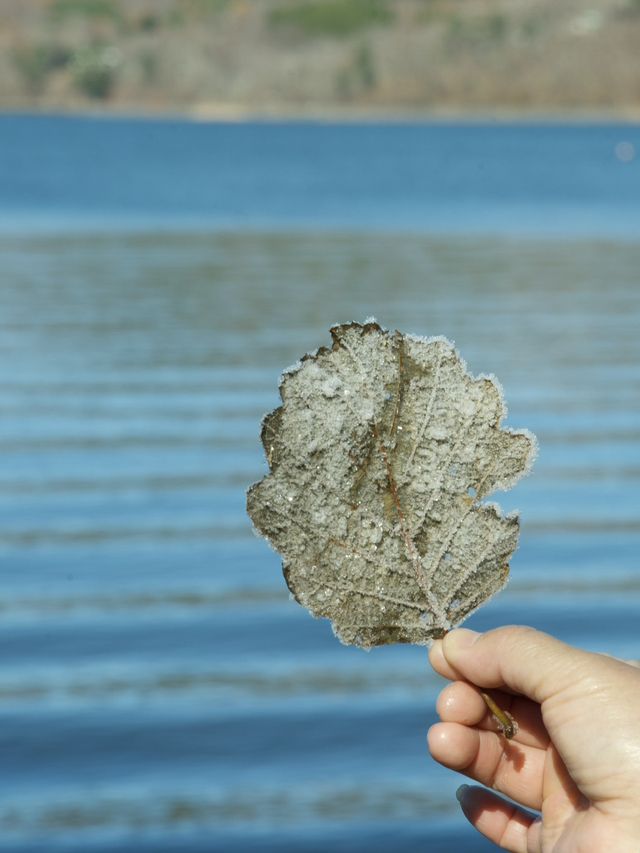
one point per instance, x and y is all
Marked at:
(379, 456)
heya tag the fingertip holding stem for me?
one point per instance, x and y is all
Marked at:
(435, 648)
(454, 645)
(457, 642)
(444, 652)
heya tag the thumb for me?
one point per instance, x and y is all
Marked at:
(518, 659)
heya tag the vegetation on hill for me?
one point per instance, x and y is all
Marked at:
(315, 56)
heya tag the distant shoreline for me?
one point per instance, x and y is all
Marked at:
(343, 61)
(241, 114)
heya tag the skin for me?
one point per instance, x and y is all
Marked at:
(575, 759)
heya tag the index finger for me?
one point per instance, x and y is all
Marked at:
(516, 659)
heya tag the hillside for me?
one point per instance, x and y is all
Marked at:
(238, 57)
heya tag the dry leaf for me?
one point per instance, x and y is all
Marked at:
(379, 457)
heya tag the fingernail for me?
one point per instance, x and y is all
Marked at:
(460, 640)
(461, 792)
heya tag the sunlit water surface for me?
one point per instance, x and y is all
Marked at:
(158, 690)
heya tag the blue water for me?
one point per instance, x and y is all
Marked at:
(551, 179)
(158, 690)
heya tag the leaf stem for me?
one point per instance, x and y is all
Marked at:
(505, 721)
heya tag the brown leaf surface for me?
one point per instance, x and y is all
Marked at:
(379, 456)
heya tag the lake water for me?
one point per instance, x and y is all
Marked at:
(158, 689)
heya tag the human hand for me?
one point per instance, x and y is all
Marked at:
(576, 755)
